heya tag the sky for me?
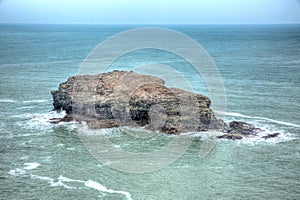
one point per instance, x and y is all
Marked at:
(150, 11)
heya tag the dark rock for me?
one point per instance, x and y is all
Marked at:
(122, 98)
(231, 137)
(273, 135)
(243, 128)
(54, 120)
(236, 130)
(66, 118)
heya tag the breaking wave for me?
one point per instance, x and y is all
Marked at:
(233, 114)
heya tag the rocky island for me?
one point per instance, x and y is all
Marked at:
(122, 98)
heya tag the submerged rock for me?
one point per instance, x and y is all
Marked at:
(122, 98)
(66, 118)
(236, 130)
(242, 128)
(273, 135)
(231, 136)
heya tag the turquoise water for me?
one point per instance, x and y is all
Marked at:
(260, 67)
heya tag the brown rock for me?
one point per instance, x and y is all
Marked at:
(122, 98)
(66, 118)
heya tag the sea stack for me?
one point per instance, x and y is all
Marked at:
(121, 98)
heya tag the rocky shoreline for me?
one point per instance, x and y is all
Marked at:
(121, 98)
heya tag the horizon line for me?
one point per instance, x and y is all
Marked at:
(151, 24)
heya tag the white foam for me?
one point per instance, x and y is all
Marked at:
(230, 114)
(98, 186)
(17, 172)
(266, 130)
(278, 122)
(35, 101)
(52, 181)
(59, 182)
(24, 107)
(233, 114)
(41, 120)
(251, 139)
(270, 141)
(22, 171)
(30, 166)
(65, 179)
(42, 178)
(91, 184)
(43, 116)
(25, 101)
(8, 101)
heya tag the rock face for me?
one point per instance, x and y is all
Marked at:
(122, 98)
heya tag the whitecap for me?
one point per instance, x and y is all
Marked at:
(22, 171)
(65, 179)
(60, 183)
(17, 172)
(42, 178)
(35, 101)
(90, 184)
(8, 101)
(52, 181)
(25, 108)
(24, 101)
(102, 188)
(30, 166)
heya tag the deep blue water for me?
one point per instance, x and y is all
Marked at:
(260, 68)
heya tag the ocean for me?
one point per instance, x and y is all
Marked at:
(260, 69)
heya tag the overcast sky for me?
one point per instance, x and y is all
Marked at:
(150, 11)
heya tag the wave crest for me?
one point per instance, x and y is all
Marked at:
(233, 114)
